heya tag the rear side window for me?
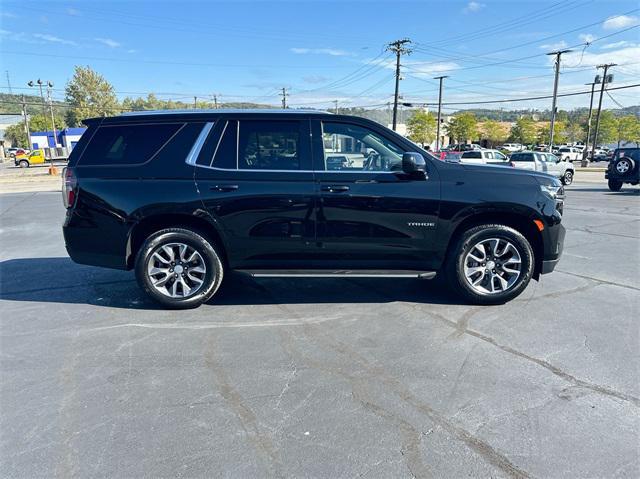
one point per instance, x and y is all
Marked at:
(269, 145)
(522, 157)
(127, 144)
(472, 154)
(225, 155)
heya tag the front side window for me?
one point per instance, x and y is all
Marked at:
(127, 144)
(499, 156)
(273, 145)
(350, 147)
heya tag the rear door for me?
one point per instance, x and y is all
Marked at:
(369, 213)
(524, 161)
(254, 177)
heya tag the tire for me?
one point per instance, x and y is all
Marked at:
(23, 164)
(624, 166)
(166, 245)
(458, 263)
(615, 185)
(567, 178)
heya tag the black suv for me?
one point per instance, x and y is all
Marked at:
(183, 197)
(624, 167)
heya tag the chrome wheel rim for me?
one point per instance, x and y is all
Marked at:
(622, 166)
(176, 270)
(492, 266)
(568, 177)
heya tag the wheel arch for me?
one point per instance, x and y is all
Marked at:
(149, 225)
(519, 221)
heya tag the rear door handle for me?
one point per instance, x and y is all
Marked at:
(224, 188)
(335, 188)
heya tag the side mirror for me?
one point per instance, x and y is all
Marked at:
(413, 162)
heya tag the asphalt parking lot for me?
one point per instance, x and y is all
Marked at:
(324, 377)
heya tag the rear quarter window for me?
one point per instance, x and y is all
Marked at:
(521, 157)
(127, 144)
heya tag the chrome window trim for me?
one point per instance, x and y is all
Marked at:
(215, 151)
(300, 171)
(197, 145)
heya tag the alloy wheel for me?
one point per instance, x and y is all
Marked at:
(176, 270)
(492, 266)
(622, 166)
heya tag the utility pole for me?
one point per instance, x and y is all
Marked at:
(605, 80)
(8, 82)
(336, 108)
(52, 169)
(585, 151)
(26, 122)
(440, 78)
(195, 102)
(399, 48)
(215, 101)
(284, 97)
(558, 54)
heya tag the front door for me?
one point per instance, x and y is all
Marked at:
(369, 213)
(255, 179)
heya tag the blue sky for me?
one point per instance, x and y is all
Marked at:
(324, 50)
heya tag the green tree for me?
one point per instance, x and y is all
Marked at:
(626, 129)
(463, 127)
(608, 131)
(558, 133)
(89, 95)
(422, 127)
(575, 130)
(524, 131)
(494, 131)
(17, 135)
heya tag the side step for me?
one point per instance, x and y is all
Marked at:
(337, 273)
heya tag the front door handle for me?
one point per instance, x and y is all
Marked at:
(335, 188)
(224, 188)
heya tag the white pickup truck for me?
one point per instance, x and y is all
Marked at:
(570, 153)
(546, 163)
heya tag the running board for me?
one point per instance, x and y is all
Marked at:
(338, 273)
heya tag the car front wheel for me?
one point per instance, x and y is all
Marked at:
(567, 178)
(490, 264)
(23, 164)
(179, 268)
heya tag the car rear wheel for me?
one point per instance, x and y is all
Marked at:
(23, 164)
(567, 178)
(179, 268)
(615, 185)
(490, 264)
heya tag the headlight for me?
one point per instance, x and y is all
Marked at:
(553, 191)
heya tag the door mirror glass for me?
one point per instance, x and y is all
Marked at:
(413, 162)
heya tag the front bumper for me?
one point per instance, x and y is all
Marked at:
(552, 257)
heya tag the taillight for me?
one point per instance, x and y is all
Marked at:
(69, 186)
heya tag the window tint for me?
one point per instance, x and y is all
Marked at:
(499, 156)
(522, 157)
(225, 155)
(489, 154)
(273, 145)
(354, 148)
(127, 144)
(472, 154)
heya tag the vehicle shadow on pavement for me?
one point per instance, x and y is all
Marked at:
(60, 280)
(630, 191)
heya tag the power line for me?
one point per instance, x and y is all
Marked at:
(399, 48)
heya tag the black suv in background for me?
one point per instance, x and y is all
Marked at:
(184, 197)
(624, 167)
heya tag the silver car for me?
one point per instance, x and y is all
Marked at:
(546, 163)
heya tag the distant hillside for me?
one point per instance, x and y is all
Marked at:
(13, 104)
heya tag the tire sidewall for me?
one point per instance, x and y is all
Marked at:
(630, 164)
(213, 276)
(567, 179)
(479, 233)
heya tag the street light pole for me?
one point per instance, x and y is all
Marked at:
(440, 78)
(604, 81)
(558, 54)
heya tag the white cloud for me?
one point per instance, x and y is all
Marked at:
(321, 51)
(619, 21)
(586, 37)
(108, 42)
(626, 57)
(132, 51)
(73, 12)
(8, 15)
(314, 79)
(473, 7)
(620, 44)
(45, 37)
(554, 46)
